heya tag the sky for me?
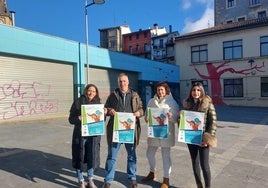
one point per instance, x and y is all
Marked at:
(66, 18)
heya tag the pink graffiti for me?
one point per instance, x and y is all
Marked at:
(23, 99)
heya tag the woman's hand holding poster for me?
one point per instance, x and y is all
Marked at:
(191, 127)
(92, 119)
(124, 127)
(157, 122)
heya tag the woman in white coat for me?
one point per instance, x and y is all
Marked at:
(162, 99)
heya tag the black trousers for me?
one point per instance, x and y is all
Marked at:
(200, 157)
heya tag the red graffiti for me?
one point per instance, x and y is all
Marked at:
(215, 72)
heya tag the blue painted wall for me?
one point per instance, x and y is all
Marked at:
(17, 41)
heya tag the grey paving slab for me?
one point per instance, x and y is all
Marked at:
(37, 154)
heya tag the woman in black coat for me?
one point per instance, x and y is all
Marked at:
(85, 150)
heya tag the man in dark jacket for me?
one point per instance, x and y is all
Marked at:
(123, 99)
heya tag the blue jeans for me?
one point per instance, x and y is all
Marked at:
(110, 165)
(79, 173)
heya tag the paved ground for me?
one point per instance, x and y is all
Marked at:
(37, 154)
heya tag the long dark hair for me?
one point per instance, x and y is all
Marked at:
(200, 86)
(97, 97)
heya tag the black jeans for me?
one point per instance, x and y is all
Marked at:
(200, 157)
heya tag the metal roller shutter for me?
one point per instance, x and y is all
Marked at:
(34, 89)
(106, 80)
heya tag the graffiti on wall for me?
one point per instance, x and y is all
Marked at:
(215, 72)
(25, 99)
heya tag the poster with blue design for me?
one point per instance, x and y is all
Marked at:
(124, 127)
(157, 125)
(191, 127)
(92, 122)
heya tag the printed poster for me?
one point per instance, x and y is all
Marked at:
(124, 127)
(191, 127)
(157, 124)
(92, 119)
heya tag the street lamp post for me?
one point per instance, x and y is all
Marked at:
(98, 2)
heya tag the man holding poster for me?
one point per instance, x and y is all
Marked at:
(198, 101)
(125, 100)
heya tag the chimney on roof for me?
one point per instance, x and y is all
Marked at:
(13, 17)
(155, 26)
(170, 28)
